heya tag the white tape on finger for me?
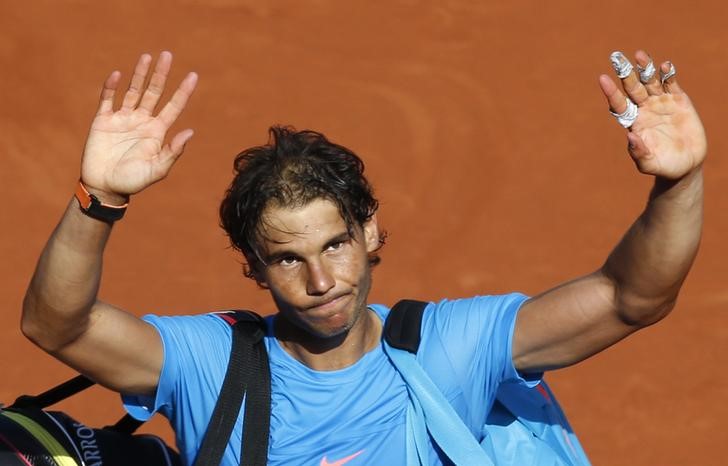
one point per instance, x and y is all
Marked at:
(621, 65)
(628, 116)
(647, 72)
(664, 76)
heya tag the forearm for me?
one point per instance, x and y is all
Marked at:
(651, 262)
(64, 287)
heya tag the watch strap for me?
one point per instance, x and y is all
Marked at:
(94, 208)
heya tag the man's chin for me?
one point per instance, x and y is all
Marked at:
(334, 328)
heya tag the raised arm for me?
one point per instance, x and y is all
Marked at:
(640, 280)
(125, 153)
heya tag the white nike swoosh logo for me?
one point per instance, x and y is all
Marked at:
(342, 461)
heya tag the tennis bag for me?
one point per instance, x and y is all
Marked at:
(526, 427)
(32, 436)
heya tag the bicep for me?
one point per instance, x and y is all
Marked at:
(117, 350)
(567, 324)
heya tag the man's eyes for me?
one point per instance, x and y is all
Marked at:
(288, 260)
(336, 245)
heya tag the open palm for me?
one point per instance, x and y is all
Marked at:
(125, 151)
(667, 139)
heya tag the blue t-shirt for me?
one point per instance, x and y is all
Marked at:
(355, 415)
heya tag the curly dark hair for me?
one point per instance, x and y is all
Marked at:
(291, 170)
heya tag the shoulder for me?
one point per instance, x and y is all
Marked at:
(472, 326)
(465, 311)
(487, 303)
(476, 311)
(220, 319)
(192, 330)
(237, 315)
(380, 310)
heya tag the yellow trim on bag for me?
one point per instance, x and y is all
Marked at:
(55, 449)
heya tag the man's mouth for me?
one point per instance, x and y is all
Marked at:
(325, 306)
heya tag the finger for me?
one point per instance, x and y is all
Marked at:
(636, 146)
(131, 99)
(172, 151)
(177, 103)
(620, 106)
(639, 153)
(648, 73)
(615, 97)
(631, 84)
(156, 83)
(667, 76)
(108, 90)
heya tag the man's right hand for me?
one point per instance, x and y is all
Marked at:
(124, 154)
(125, 150)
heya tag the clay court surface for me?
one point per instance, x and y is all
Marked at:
(484, 133)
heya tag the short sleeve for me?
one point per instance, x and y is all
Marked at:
(466, 348)
(196, 353)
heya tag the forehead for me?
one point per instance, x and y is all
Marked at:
(314, 223)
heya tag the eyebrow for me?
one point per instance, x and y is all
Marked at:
(340, 238)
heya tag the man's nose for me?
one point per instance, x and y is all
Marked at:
(320, 280)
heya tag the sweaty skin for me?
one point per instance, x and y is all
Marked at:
(317, 271)
(640, 280)
(319, 277)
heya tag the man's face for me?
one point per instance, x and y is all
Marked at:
(316, 271)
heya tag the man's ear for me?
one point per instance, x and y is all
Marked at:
(253, 269)
(262, 283)
(371, 234)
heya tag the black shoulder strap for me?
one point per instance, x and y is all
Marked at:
(402, 327)
(256, 422)
(248, 374)
(249, 368)
(127, 424)
(53, 395)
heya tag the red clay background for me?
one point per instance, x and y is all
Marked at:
(484, 132)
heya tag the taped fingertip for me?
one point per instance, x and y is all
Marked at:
(621, 64)
(667, 71)
(647, 72)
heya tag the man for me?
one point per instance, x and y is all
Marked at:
(303, 215)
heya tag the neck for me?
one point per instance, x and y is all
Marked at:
(333, 353)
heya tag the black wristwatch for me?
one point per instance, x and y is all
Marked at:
(94, 208)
